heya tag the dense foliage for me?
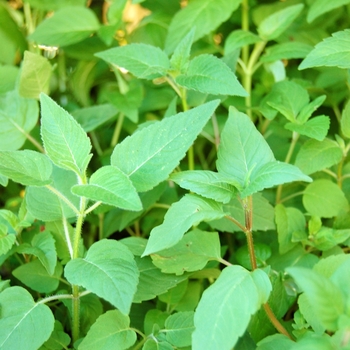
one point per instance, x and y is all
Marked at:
(174, 174)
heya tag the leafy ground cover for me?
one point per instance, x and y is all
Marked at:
(174, 175)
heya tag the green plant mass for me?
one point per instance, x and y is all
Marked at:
(174, 175)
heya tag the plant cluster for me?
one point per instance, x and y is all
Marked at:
(174, 175)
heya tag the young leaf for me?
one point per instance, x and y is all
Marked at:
(273, 174)
(286, 51)
(288, 221)
(108, 270)
(242, 149)
(18, 116)
(192, 253)
(35, 276)
(320, 7)
(138, 158)
(110, 186)
(65, 142)
(206, 183)
(315, 155)
(111, 330)
(43, 247)
(208, 74)
(319, 290)
(245, 157)
(316, 128)
(225, 308)
(345, 121)
(35, 75)
(239, 38)
(24, 324)
(142, 60)
(67, 26)
(324, 198)
(205, 15)
(152, 281)
(26, 167)
(274, 25)
(192, 210)
(331, 52)
(181, 56)
(179, 328)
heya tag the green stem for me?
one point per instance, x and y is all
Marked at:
(245, 26)
(63, 198)
(251, 67)
(295, 137)
(117, 130)
(96, 143)
(248, 214)
(75, 313)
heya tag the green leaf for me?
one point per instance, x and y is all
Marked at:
(320, 7)
(90, 118)
(129, 102)
(192, 210)
(108, 270)
(262, 253)
(286, 51)
(6, 240)
(192, 253)
(35, 276)
(171, 137)
(57, 339)
(315, 155)
(181, 56)
(152, 344)
(43, 247)
(316, 128)
(288, 98)
(18, 116)
(308, 109)
(288, 221)
(67, 26)
(48, 5)
(111, 330)
(110, 186)
(24, 324)
(208, 74)
(207, 183)
(179, 328)
(251, 151)
(26, 167)
(205, 15)
(143, 61)
(35, 75)
(324, 198)
(274, 25)
(252, 164)
(152, 281)
(65, 142)
(225, 308)
(276, 341)
(345, 121)
(273, 174)
(263, 215)
(327, 238)
(46, 205)
(319, 290)
(331, 52)
(239, 38)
